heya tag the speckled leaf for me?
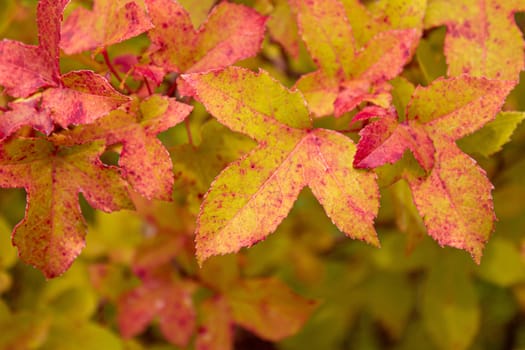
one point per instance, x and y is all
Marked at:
(482, 38)
(169, 301)
(491, 138)
(216, 327)
(250, 198)
(373, 17)
(231, 33)
(52, 233)
(385, 141)
(145, 162)
(26, 68)
(25, 113)
(110, 22)
(84, 98)
(349, 72)
(269, 308)
(455, 201)
(432, 112)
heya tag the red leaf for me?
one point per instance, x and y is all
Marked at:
(25, 113)
(144, 161)
(169, 301)
(85, 97)
(26, 68)
(231, 33)
(110, 22)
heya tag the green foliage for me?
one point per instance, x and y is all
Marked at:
(152, 141)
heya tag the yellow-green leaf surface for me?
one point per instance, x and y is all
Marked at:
(52, 233)
(108, 23)
(373, 17)
(144, 160)
(349, 73)
(455, 201)
(482, 38)
(268, 308)
(491, 138)
(231, 32)
(283, 27)
(250, 198)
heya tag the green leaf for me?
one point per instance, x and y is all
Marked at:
(502, 263)
(491, 138)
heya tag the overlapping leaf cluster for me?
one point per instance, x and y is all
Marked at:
(205, 121)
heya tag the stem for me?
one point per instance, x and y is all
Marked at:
(147, 85)
(188, 131)
(172, 89)
(113, 70)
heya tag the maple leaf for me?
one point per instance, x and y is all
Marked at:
(52, 233)
(168, 300)
(253, 195)
(110, 22)
(74, 98)
(26, 68)
(455, 199)
(144, 160)
(482, 38)
(348, 74)
(231, 33)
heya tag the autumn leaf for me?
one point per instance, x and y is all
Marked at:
(231, 33)
(168, 300)
(215, 331)
(144, 160)
(348, 73)
(83, 98)
(73, 98)
(268, 308)
(110, 22)
(52, 233)
(455, 199)
(482, 38)
(249, 199)
(26, 68)
(25, 113)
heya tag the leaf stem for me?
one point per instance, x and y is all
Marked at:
(113, 70)
(147, 85)
(188, 131)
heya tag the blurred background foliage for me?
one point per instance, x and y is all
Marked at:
(409, 294)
